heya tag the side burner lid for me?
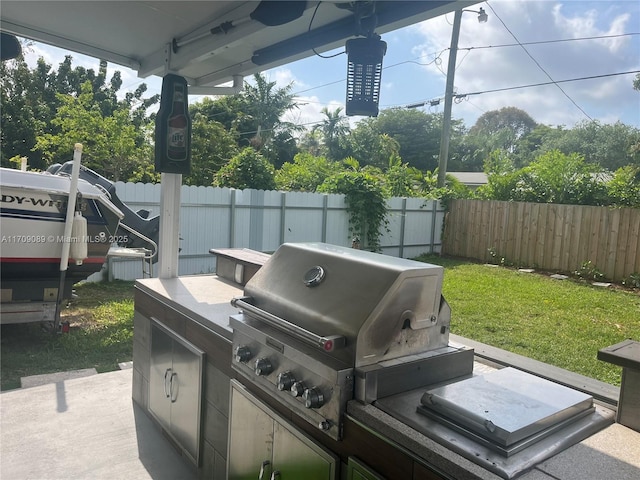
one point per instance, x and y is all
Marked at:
(506, 406)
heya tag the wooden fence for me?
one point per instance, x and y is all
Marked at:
(551, 237)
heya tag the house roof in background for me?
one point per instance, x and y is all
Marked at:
(471, 179)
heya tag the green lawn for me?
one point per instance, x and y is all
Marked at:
(563, 323)
(101, 336)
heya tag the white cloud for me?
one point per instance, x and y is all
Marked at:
(536, 21)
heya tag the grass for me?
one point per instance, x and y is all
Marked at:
(100, 336)
(562, 323)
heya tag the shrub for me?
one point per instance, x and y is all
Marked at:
(248, 169)
(366, 204)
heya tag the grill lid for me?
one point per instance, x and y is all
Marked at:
(384, 307)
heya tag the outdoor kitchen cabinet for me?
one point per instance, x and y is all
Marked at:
(175, 387)
(262, 445)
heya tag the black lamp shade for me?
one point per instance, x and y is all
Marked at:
(364, 72)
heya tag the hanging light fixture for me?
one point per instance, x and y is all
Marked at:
(364, 64)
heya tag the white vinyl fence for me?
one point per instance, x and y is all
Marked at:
(262, 220)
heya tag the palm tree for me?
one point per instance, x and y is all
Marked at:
(311, 142)
(264, 106)
(333, 128)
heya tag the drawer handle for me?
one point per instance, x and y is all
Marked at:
(173, 398)
(265, 464)
(166, 374)
(275, 475)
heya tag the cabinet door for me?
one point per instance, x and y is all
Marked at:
(296, 457)
(160, 376)
(185, 387)
(250, 440)
(356, 470)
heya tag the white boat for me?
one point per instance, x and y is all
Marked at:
(32, 220)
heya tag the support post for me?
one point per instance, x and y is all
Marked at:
(169, 235)
(448, 100)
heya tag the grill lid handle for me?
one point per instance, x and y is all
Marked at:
(326, 343)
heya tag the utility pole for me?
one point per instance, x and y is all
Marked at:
(448, 100)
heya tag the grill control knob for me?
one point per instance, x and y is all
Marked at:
(242, 353)
(324, 425)
(285, 380)
(263, 366)
(313, 398)
(297, 389)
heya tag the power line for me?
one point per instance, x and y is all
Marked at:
(437, 59)
(544, 42)
(438, 55)
(552, 82)
(538, 64)
(461, 96)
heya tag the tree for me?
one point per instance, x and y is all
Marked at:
(305, 173)
(610, 146)
(109, 142)
(553, 177)
(212, 146)
(32, 99)
(417, 133)
(402, 180)
(311, 142)
(533, 143)
(23, 115)
(261, 109)
(281, 148)
(248, 169)
(503, 128)
(624, 187)
(224, 110)
(334, 128)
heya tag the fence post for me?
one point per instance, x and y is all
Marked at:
(403, 217)
(434, 214)
(256, 220)
(325, 214)
(232, 219)
(283, 213)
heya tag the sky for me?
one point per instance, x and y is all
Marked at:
(548, 41)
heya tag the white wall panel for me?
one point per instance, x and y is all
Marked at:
(212, 217)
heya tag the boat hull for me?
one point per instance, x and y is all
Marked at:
(32, 223)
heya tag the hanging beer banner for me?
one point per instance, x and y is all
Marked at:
(173, 127)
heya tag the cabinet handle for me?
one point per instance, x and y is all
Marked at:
(275, 475)
(173, 399)
(166, 373)
(266, 463)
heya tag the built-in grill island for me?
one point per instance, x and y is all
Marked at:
(321, 325)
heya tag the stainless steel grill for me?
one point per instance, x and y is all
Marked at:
(321, 325)
(320, 320)
(372, 306)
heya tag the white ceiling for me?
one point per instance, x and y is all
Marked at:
(140, 34)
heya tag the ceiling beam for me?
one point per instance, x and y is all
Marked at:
(68, 44)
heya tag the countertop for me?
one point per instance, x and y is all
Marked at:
(204, 298)
(611, 453)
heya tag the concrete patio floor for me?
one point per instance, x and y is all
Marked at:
(83, 428)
